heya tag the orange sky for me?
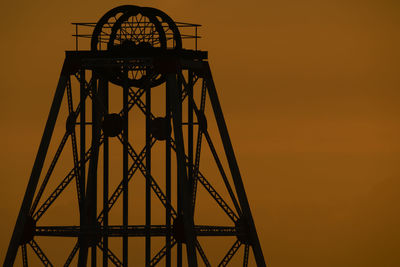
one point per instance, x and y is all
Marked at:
(310, 92)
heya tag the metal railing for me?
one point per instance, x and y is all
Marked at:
(83, 34)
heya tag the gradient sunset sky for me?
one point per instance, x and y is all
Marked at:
(311, 94)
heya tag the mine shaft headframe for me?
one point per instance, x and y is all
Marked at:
(130, 27)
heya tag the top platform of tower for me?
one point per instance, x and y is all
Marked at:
(129, 43)
(132, 28)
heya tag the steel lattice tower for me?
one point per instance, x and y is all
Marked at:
(137, 51)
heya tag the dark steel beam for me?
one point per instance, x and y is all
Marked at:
(132, 230)
(216, 159)
(125, 99)
(229, 255)
(190, 132)
(73, 114)
(24, 256)
(39, 252)
(184, 187)
(162, 253)
(91, 191)
(198, 147)
(118, 191)
(148, 181)
(83, 243)
(246, 255)
(217, 197)
(179, 254)
(202, 254)
(103, 92)
(49, 172)
(113, 258)
(168, 181)
(60, 188)
(71, 255)
(142, 168)
(93, 58)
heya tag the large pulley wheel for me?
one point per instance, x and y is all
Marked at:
(136, 29)
(128, 28)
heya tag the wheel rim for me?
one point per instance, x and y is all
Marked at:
(102, 30)
(172, 33)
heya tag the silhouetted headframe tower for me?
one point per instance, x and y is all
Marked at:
(136, 53)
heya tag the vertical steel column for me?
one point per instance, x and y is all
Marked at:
(83, 244)
(237, 179)
(190, 131)
(92, 175)
(125, 176)
(103, 89)
(37, 168)
(82, 125)
(148, 174)
(168, 180)
(179, 177)
(91, 191)
(183, 186)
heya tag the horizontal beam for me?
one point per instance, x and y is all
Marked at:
(132, 230)
(87, 57)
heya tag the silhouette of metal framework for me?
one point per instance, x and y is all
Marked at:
(138, 51)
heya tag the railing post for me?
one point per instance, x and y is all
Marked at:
(76, 36)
